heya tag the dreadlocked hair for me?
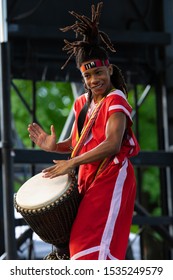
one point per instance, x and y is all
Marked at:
(91, 43)
(118, 80)
(92, 37)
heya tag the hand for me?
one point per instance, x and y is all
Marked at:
(41, 138)
(61, 167)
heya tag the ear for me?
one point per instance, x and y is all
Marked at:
(110, 68)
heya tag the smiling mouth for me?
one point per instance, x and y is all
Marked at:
(97, 86)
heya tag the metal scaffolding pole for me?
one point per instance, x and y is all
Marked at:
(6, 137)
(167, 92)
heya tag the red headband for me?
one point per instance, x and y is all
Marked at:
(93, 64)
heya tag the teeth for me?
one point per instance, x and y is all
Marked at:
(98, 86)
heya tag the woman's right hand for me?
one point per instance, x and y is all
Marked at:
(41, 138)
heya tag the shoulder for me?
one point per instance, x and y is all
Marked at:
(80, 101)
(82, 98)
(117, 102)
(117, 94)
(118, 97)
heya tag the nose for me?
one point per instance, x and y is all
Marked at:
(94, 80)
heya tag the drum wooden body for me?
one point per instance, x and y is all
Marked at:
(49, 206)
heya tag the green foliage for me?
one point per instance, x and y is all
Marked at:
(147, 122)
(151, 186)
(147, 137)
(53, 104)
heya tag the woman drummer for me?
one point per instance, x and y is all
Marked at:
(101, 150)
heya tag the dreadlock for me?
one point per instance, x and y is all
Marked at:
(91, 43)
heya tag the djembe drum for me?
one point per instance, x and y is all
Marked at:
(49, 206)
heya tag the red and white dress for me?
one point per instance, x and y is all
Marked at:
(101, 228)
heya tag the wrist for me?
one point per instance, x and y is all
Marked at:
(63, 147)
(56, 148)
(73, 162)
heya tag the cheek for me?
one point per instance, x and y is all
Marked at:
(108, 79)
(86, 83)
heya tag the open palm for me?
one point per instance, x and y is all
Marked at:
(41, 138)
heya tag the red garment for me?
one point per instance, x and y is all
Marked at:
(101, 228)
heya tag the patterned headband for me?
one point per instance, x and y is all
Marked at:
(93, 64)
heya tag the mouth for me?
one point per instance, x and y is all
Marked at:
(97, 86)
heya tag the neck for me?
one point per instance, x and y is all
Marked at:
(97, 98)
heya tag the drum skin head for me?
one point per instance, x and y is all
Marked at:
(38, 191)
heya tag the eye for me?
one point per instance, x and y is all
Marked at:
(86, 76)
(98, 72)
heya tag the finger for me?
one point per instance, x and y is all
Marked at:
(56, 173)
(30, 127)
(52, 129)
(33, 131)
(46, 175)
(50, 175)
(33, 138)
(56, 161)
(38, 128)
(48, 169)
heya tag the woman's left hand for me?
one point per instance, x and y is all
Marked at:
(61, 167)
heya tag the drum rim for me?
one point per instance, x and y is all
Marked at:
(44, 204)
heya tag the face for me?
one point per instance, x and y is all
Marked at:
(97, 79)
